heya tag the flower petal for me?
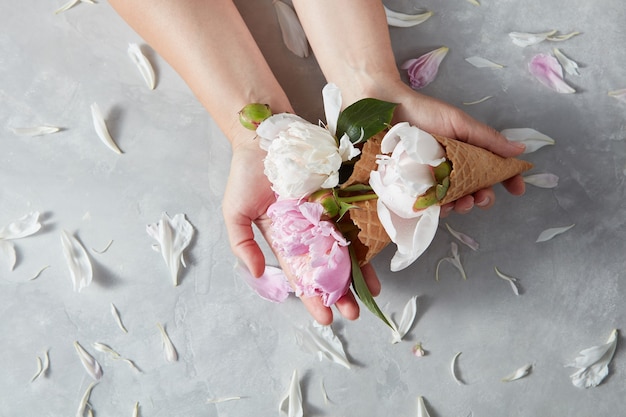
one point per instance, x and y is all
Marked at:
(291, 29)
(463, 238)
(453, 369)
(570, 67)
(406, 321)
(35, 131)
(291, 404)
(549, 73)
(511, 280)
(272, 285)
(519, 373)
(170, 351)
(66, 6)
(403, 20)
(421, 408)
(526, 39)
(81, 271)
(545, 180)
(550, 233)
(322, 341)
(479, 62)
(482, 100)
(173, 237)
(117, 318)
(90, 364)
(593, 363)
(24, 226)
(101, 129)
(619, 94)
(143, 65)
(530, 137)
(331, 96)
(423, 70)
(7, 251)
(561, 38)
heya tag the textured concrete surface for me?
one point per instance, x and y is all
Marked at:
(230, 342)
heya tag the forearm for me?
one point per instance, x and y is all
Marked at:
(209, 45)
(351, 42)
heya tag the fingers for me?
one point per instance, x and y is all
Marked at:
(322, 314)
(515, 185)
(480, 134)
(371, 279)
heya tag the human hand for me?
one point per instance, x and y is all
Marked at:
(247, 198)
(437, 117)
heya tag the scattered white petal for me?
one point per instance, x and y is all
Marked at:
(545, 180)
(482, 100)
(453, 369)
(570, 66)
(291, 29)
(35, 131)
(39, 370)
(552, 232)
(77, 260)
(7, 251)
(474, 2)
(173, 236)
(222, 400)
(116, 315)
(511, 280)
(418, 350)
(455, 260)
(39, 272)
(91, 365)
(480, 62)
(106, 248)
(619, 94)
(403, 20)
(24, 226)
(593, 363)
(519, 373)
(421, 408)
(136, 409)
(322, 341)
(101, 347)
(101, 129)
(463, 238)
(406, 321)
(66, 6)
(530, 137)
(291, 404)
(526, 39)
(46, 363)
(561, 38)
(85, 400)
(143, 65)
(170, 351)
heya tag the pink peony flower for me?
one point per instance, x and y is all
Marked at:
(314, 249)
(423, 70)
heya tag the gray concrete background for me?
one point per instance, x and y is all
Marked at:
(231, 343)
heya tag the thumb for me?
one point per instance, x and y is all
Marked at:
(243, 245)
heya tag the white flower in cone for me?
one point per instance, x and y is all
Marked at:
(303, 157)
(402, 176)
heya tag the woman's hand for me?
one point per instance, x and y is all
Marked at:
(248, 195)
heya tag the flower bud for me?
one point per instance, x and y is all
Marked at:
(253, 114)
(328, 200)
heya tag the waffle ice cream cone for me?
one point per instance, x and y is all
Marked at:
(473, 168)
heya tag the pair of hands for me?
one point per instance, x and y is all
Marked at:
(248, 193)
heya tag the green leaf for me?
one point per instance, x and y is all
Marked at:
(361, 290)
(368, 116)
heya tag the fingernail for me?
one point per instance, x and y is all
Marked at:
(518, 145)
(484, 202)
(448, 209)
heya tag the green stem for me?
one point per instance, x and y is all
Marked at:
(355, 198)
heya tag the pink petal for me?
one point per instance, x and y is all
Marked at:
(272, 285)
(423, 70)
(549, 73)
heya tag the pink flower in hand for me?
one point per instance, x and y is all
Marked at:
(314, 249)
(423, 70)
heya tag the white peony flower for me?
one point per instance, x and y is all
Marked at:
(401, 177)
(303, 157)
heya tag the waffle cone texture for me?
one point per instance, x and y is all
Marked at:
(473, 168)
